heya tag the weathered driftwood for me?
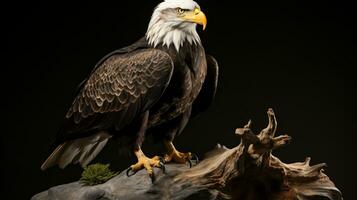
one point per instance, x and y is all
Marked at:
(248, 171)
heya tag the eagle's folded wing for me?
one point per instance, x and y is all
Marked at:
(119, 90)
(209, 88)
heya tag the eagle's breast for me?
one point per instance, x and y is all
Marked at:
(190, 70)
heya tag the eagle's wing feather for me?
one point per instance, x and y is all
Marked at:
(123, 87)
(209, 88)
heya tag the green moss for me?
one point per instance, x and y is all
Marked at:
(96, 174)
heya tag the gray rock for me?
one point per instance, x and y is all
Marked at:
(138, 186)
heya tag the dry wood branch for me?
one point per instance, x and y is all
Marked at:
(250, 171)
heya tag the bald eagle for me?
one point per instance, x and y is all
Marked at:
(153, 86)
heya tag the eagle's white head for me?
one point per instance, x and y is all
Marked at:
(174, 22)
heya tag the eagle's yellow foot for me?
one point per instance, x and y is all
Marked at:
(147, 163)
(175, 156)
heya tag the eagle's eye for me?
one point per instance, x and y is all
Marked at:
(180, 11)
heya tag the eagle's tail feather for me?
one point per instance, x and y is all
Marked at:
(51, 160)
(81, 151)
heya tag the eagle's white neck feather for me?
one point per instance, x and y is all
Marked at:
(164, 31)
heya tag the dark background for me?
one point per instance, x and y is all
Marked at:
(292, 57)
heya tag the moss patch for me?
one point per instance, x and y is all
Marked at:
(96, 174)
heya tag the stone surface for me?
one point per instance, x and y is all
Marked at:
(138, 186)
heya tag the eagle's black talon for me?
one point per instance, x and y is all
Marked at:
(162, 167)
(189, 162)
(128, 172)
(195, 157)
(152, 177)
(162, 160)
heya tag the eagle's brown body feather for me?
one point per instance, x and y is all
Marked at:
(138, 81)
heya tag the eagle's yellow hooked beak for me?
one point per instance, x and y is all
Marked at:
(196, 16)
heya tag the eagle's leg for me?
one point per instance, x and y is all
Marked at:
(175, 156)
(143, 161)
(172, 154)
(146, 163)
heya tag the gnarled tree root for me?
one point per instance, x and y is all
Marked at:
(250, 171)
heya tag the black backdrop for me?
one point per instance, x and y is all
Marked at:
(291, 57)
